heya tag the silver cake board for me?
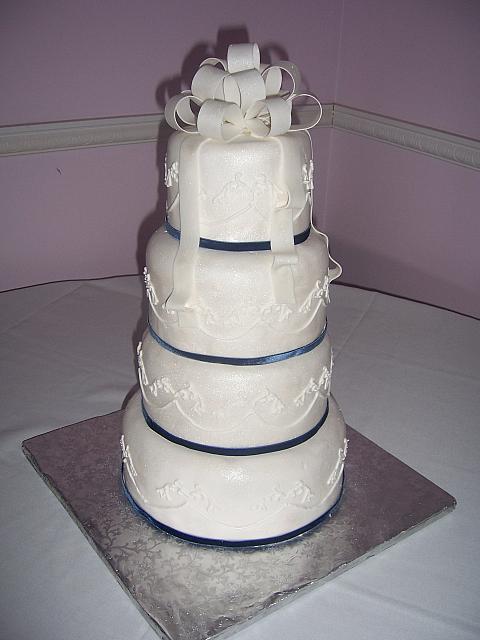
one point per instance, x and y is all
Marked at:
(193, 592)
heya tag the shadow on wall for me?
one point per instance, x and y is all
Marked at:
(198, 53)
(360, 270)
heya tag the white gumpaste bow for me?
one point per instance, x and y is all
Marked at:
(239, 95)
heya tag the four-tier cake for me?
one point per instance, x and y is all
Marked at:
(234, 438)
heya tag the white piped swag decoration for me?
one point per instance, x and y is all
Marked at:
(239, 95)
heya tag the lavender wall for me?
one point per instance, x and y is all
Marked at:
(76, 214)
(401, 222)
(65, 59)
(405, 223)
(416, 60)
(87, 213)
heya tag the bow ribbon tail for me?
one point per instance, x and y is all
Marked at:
(335, 271)
(284, 256)
(182, 297)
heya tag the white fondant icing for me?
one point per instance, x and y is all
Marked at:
(239, 196)
(238, 497)
(237, 323)
(234, 406)
(233, 317)
(236, 305)
(242, 184)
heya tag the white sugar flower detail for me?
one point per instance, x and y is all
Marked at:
(142, 374)
(171, 174)
(338, 469)
(307, 175)
(151, 294)
(320, 387)
(319, 292)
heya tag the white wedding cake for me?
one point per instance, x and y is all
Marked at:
(234, 438)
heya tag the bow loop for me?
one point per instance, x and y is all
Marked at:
(269, 117)
(315, 113)
(179, 114)
(208, 83)
(241, 57)
(250, 87)
(239, 95)
(215, 62)
(273, 76)
(220, 120)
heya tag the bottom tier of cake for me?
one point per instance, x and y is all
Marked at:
(234, 500)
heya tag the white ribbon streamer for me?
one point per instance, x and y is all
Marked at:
(335, 271)
(182, 296)
(263, 109)
(284, 256)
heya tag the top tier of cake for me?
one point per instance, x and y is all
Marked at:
(242, 190)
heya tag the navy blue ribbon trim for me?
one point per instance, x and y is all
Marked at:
(239, 362)
(214, 542)
(219, 245)
(234, 451)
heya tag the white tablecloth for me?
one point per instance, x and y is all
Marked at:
(406, 375)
